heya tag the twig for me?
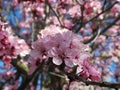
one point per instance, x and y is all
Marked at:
(101, 84)
(30, 78)
(93, 38)
(58, 75)
(47, 10)
(56, 14)
(81, 18)
(19, 67)
(33, 32)
(110, 25)
(104, 3)
(83, 24)
(102, 12)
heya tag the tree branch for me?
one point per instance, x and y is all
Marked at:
(110, 25)
(104, 3)
(83, 23)
(56, 14)
(92, 39)
(47, 10)
(101, 84)
(28, 79)
(102, 12)
(81, 18)
(21, 68)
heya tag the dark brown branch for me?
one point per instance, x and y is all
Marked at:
(103, 31)
(102, 12)
(104, 3)
(74, 77)
(81, 18)
(28, 79)
(47, 10)
(110, 25)
(56, 14)
(101, 84)
(82, 9)
(20, 68)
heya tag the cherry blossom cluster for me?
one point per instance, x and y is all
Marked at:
(68, 11)
(6, 49)
(108, 47)
(63, 46)
(48, 26)
(11, 46)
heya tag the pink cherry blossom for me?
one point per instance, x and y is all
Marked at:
(21, 48)
(56, 48)
(11, 45)
(75, 11)
(63, 46)
(7, 59)
(89, 71)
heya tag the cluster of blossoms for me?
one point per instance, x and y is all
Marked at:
(107, 53)
(6, 49)
(11, 46)
(68, 10)
(63, 46)
(59, 48)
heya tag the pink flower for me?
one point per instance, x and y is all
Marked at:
(68, 24)
(60, 44)
(20, 46)
(32, 87)
(7, 59)
(15, 3)
(63, 46)
(115, 10)
(90, 72)
(39, 50)
(75, 11)
(34, 63)
(11, 46)
(100, 39)
(73, 86)
(88, 9)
